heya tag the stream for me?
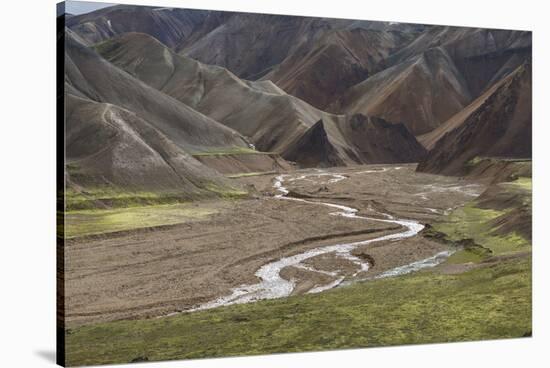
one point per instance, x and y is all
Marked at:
(272, 285)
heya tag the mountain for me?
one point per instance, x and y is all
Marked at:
(375, 140)
(499, 124)
(421, 92)
(98, 80)
(270, 118)
(482, 56)
(318, 73)
(110, 147)
(313, 90)
(122, 133)
(354, 140)
(250, 45)
(261, 111)
(170, 25)
(429, 140)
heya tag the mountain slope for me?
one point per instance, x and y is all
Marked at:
(107, 146)
(124, 137)
(482, 56)
(501, 126)
(320, 72)
(250, 45)
(421, 93)
(314, 148)
(99, 80)
(261, 111)
(375, 140)
(170, 25)
(430, 139)
(273, 120)
(354, 140)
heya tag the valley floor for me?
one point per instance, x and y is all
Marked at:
(117, 285)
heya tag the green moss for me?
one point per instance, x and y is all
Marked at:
(113, 197)
(88, 222)
(522, 183)
(227, 193)
(465, 256)
(474, 161)
(486, 303)
(470, 222)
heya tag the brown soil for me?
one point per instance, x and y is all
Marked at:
(148, 274)
(391, 254)
(245, 163)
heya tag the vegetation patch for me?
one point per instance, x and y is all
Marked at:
(95, 221)
(491, 302)
(465, 256)
(474, 161)
(108, 197)
(471, 222)
(521, 183)
(227, 193)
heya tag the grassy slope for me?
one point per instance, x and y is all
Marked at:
(108, 197)
(471, 222)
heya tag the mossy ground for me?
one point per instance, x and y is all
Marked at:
(94, 193)
(88, 222)
(486, 303)
(522, 183)
(470, 222)
(116, 198)
(106, 209)
(227, 193)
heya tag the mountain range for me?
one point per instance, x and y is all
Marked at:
(159, 98)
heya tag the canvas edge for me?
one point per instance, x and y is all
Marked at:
(60, 185)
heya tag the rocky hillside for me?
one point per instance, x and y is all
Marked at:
(497, 125)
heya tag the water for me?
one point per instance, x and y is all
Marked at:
(272, 285)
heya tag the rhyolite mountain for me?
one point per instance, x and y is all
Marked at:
(317, 91)
(498, 124)
(355, 139)
(421, 92)
(482, 56)
(270, 118)
(107, 145)
(98, 80)
(320, 72)
(122, 133)
(261, 111)
(170, 25)
(250, 45)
